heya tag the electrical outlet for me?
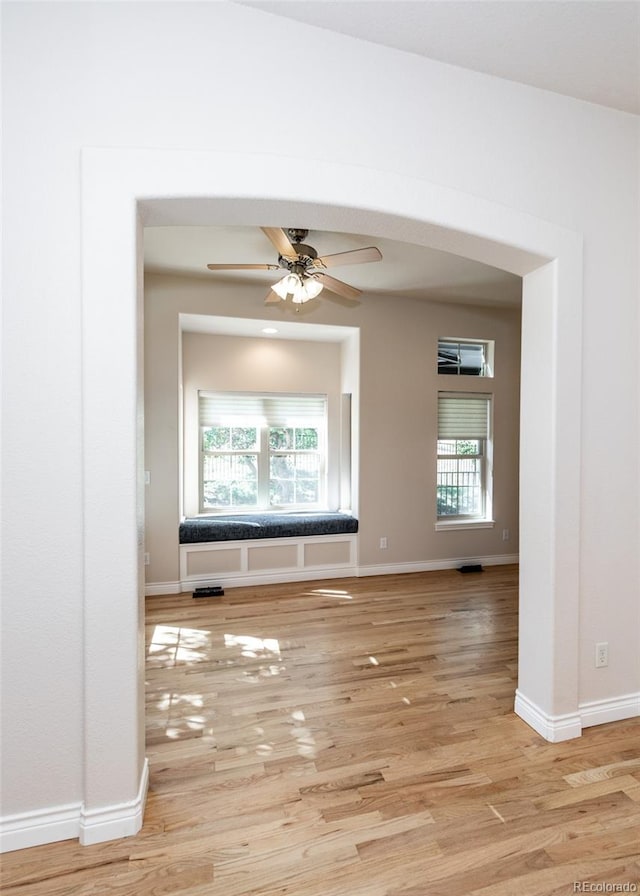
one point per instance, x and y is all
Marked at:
(602, 654)
(383, 542)
(147, 559)
(505, 535)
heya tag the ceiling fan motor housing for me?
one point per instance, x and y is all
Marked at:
(306, 256)
(297, 234)
(302, 265)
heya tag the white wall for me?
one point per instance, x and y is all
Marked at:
(158, 75)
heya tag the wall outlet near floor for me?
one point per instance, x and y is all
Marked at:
(147, 559)
(505, 535)
(383, 542)
(602, 654)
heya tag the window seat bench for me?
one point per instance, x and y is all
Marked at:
(245, 549)
(226, 527)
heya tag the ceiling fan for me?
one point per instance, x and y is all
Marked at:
(306, 274)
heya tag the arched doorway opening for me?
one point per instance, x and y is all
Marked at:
(123, 190)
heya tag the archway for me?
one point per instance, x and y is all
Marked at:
(124, 189)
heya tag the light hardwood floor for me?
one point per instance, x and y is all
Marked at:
(355, 737)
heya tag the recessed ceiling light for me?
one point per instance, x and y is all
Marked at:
(269, 331)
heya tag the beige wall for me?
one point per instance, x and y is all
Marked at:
(395, 411)
(216, 363)
(398, 429)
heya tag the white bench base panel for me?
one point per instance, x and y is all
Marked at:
(264, 560)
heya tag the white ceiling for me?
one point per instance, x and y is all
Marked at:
(587, 49)
(405, 269)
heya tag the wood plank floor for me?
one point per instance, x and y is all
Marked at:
(355, 737)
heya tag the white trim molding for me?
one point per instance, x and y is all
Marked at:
(455, 525)
(242, 580)
(565, 727)
(74, 822)
(42, 826)
(432, 565)
(599, 712)
(113, 822)
(552, 728)
(156, 588)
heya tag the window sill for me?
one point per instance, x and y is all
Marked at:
(454, 525)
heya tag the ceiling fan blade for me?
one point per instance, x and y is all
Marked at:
(243, 267)
(281, 241)
(354, 256)
(272, 298)
(337, 286)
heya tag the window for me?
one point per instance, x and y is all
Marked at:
(462, 481)
(465, 357)
(262, 451)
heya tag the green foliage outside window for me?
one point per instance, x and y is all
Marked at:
(459, 478)
(229, 438)
(231, 466)
(293, 438)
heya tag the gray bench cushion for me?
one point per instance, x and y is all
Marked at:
(227, 527)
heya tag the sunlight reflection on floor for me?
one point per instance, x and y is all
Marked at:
(257, 659)
(332, 592)
(175, 644)
(252, 646)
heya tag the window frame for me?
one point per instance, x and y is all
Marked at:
(487, 371)
(264, 453)
(484, 518)
(482, 457)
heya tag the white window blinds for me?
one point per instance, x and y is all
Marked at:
(251, 409)
(463, 416)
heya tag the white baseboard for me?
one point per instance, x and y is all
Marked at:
(162, 588)
(120, 820)
(565, 727)
(238, 580)
(552, 728)
(73, 821)
(28, 829)
(599, 712)
(433, 565)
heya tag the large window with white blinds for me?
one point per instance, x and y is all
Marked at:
(262, 451)
(464, 429)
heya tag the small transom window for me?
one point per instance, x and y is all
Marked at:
(465, 357)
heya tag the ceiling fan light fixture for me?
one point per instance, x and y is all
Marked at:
(311, 288)
(289, 285)
(300, 288)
